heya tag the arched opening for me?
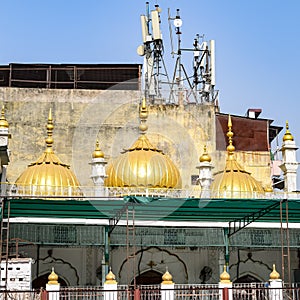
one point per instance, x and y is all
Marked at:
(41, 281)
(247, 279)
(148, 277)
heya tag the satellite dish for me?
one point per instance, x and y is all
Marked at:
(140, 50)
(177, 22)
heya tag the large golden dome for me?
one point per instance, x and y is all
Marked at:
(143, 165)
(234, 181)
(48, 176)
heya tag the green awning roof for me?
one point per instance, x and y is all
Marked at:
(163, 209)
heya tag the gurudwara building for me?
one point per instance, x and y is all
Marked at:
(94, 174)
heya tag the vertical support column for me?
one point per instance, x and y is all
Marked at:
(53, 287)
(275, 285)
(110, 287)
(106, 253)
(225, 286)
(167, 287)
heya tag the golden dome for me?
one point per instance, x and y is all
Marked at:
(205, 157)
(274, 274)
(97, 152)
(143, 165)
(48, 176)
(225, 277)
(234, 181)
(53, 278)
(167, 278)
(3, 121)
(287, 136)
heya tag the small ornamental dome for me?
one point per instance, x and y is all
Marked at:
(234, 181)
(48, 176)
(205, 157)
(3, 121)
(53, 278)
(97, 152)
(287, 136)
(225, 277)
(110, 278)
(167, 278)
(274, 275)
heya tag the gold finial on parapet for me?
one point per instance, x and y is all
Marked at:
(3, 121)
(97, 152)
(287, 136)
(230, 147)
(225, 277)
(274, 275)
(53, 278)
(167, 278)
(143, 117)
(50, 126)
(110, 278)
(205, 157)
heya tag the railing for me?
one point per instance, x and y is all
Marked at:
(197, 292)
(118, 192)
(21, 295)
(180, 292)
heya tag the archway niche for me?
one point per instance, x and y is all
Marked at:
(247, 278)
(41, 281)
(148, 278)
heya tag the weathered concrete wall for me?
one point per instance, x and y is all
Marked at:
(82, 116)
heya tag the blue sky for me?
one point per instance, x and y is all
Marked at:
(257, 43)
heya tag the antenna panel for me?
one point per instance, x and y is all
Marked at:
(212, 63)
(203, 55)
(145, 32)
(155, 25)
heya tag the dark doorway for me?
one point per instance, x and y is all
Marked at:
(247, 279)
(43, 280)
(149, 277)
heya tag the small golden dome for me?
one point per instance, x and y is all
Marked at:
(205, 157)
(274, 275)
(225, 277)
(143, 165)
(97, 152)
(287, 136)
(53, 278)
(110, 278)
(3, 121)
(48, 176)
(234, 181)
(167, 278)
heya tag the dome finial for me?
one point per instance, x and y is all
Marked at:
(53, 278)
(167, 278)
(274, 275)
(49, 139)
(287, 136)
(225, 277)
(3, 121)
(143, 117)
(110, 277)
(205, 157)
(230, 147)
(97, 152)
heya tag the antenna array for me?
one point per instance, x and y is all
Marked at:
(198, 87)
